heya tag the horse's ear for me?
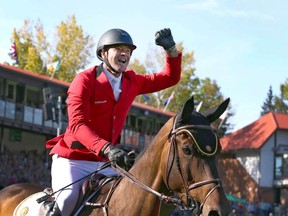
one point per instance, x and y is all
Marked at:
(186, 110)
(215, 112)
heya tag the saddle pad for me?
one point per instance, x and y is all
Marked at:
(29, 206)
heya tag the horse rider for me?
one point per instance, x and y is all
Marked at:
(99, 99)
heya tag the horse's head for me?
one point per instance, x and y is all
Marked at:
(191, 165)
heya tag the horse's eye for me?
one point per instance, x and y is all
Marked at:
(188, 150)
(182, 134)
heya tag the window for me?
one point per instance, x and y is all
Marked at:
(131, 122)
(281, 166)
(33, 97)
(1, 88)
(20, 93)
(10, 91)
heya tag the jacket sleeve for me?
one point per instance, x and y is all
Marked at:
(169, 76)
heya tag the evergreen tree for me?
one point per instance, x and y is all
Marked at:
(268, 105)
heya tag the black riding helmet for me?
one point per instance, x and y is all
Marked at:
(114, 37)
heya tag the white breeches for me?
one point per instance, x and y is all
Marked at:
(65, 172)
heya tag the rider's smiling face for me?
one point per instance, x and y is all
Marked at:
(118, 57)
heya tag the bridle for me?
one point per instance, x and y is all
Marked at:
(191, 203)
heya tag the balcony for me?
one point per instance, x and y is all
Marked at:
(25, 117)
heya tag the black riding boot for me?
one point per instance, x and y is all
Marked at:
(55, 211)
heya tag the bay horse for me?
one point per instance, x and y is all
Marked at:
(178, 169)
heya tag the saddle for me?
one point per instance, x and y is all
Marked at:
(95, 192)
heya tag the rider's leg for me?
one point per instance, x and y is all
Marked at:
(65, 172)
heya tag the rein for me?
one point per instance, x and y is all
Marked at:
(167, 199)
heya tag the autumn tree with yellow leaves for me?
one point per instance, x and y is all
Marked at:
(69, 43)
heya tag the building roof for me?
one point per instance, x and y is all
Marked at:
(254, 135)
(34, 75)
(152, 109)
(67, 84)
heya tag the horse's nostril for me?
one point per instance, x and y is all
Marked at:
(213, 213)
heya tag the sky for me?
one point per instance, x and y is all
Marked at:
(241, 44)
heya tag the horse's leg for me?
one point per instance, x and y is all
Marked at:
(12, 195)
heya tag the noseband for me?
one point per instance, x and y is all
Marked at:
(191, 203)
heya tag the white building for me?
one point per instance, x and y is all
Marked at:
(262, 149)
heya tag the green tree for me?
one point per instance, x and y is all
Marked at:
(73, 48)
(268, 105)
(209, 93)
(284, 90)
(280, 105)
(70, 44)
(205, 90)
(274, 103)
(31, 44)
(34, 61)
(211, 96)
(281, 102)
(154, 62)
(140, 69)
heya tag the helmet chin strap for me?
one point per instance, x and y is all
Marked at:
(112, 70)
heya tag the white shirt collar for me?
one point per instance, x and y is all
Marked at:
(115, 83)
(111, 76)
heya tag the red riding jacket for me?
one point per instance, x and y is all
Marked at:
(95, 117)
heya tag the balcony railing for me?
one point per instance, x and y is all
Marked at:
(24, 115)
(27, 115)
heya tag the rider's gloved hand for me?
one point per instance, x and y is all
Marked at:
(164, 39)
(130, 159)
(117, 156)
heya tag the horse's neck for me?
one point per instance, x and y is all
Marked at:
(148, 168)
(148, 171)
